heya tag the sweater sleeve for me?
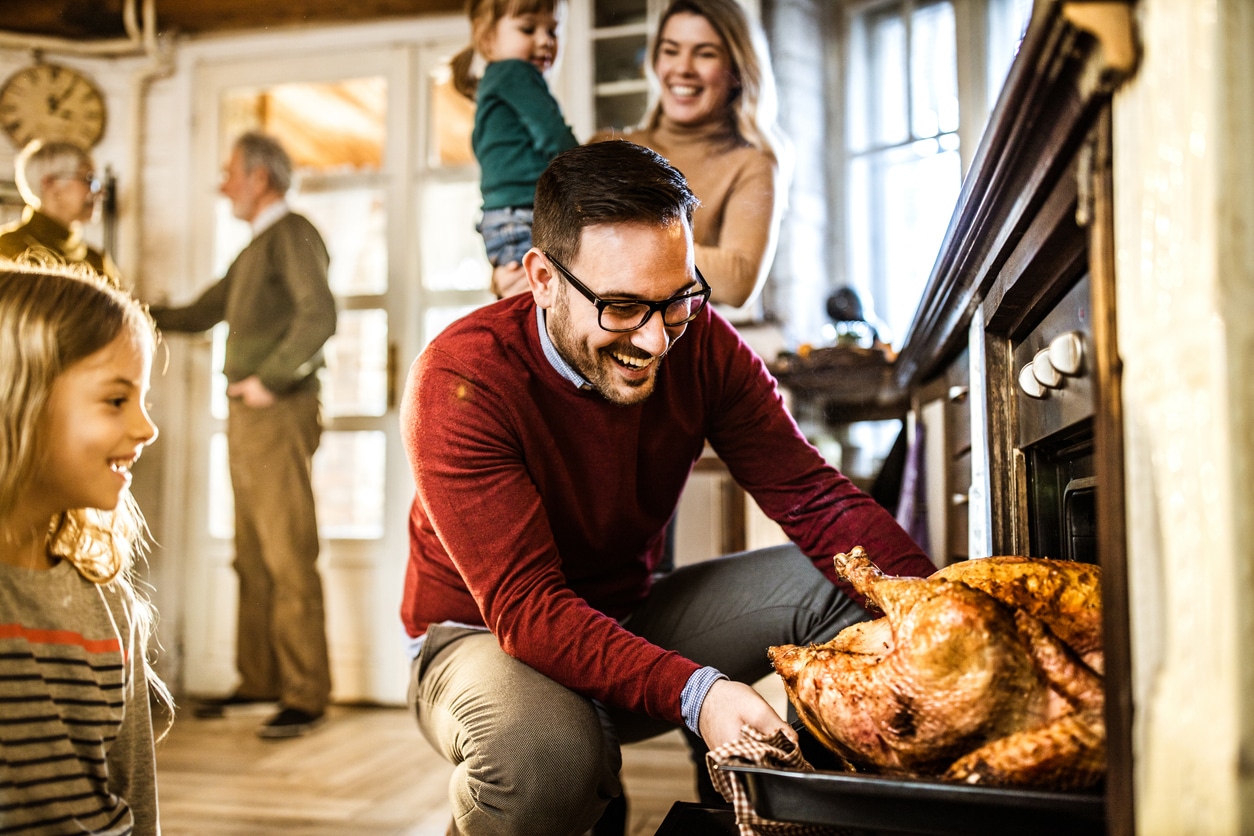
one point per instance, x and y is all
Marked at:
(818, 507)
(475, 488)
(300, 260)
(207, 311)
(737, 265)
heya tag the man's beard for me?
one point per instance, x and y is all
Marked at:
(596, 365)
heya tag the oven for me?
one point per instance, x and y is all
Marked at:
(1054, 433)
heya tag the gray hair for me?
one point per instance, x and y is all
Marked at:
(262, 150)
(39, 160)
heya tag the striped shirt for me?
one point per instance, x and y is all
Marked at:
(76, 740)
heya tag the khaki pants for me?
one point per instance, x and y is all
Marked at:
(281, 645)
(534, 758)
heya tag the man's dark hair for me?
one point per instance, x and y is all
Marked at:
(605, 183)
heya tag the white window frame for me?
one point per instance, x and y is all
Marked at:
(981, 68)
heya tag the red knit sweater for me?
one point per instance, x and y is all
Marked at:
(540, 507)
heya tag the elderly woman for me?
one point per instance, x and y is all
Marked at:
(713, 118)
(57, 181)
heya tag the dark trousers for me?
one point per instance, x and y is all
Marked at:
(533, 757)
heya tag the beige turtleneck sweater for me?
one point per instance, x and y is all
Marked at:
(736, 227)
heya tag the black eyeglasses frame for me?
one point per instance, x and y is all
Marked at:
(654, 307)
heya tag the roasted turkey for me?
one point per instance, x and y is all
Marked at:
(986, 672)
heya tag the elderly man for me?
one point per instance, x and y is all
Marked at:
(57, 181)
(276, 299)
(550, 436)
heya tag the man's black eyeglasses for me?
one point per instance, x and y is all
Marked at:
(619, 315)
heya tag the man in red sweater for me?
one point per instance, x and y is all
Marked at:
(550, 435)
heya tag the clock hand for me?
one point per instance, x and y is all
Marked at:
(54, 102)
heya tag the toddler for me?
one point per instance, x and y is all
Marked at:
(518, 124)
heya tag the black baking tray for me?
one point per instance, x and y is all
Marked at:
(917, 806)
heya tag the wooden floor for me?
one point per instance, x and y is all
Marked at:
(366, 772)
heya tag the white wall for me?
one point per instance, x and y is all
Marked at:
(1184, 236)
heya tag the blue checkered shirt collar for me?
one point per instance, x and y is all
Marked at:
(555, 359)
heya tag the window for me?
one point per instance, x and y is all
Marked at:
(908, 88)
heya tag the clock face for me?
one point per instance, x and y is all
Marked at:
(51, 102)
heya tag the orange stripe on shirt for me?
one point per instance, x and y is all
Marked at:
(62, 637)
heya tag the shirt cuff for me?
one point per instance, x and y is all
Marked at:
(693, 695)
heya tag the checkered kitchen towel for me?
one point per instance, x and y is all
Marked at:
(756, 749)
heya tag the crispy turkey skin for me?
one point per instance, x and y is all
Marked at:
(974, 674)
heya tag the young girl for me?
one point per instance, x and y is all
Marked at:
(75, 728)
(518, 124)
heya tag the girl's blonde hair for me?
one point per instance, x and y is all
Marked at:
(755, 104)
(52, 316)
(484, 15)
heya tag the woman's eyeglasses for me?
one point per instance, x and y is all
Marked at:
(618, 315)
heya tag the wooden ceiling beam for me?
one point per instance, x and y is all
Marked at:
(98, 19)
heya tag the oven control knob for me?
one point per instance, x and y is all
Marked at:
(1066, 352)
(1043, 370)
(1029, 384)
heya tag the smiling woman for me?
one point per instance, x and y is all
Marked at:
(713, 118)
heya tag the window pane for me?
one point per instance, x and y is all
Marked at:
(619, 59)
(1007, 22)
(934, 71)
(621, 111)
(348, 477)
(356, 379)
(221, 502)
(919, 186)
(325, 127)
(452, 120)
(453, 257)
(353, 224)
(620, 12)
(217, 383)
(886, 76)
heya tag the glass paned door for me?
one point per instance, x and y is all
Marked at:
(344, 120)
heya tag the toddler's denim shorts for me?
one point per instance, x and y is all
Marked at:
(506, 234)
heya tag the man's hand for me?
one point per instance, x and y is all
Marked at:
(509, 280)
(252, 392)
(728, 706)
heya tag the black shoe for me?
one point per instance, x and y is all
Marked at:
(289, 722)
(613, 821)
(211, 709)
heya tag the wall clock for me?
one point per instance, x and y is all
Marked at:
(52, 102)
